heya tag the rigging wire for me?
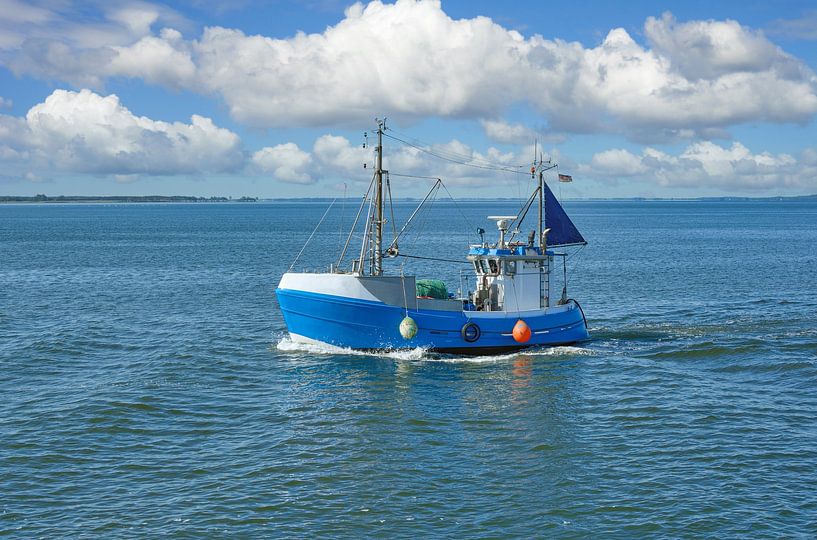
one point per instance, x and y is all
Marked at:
(354, 224)
(436, 186)
(414, 176)
(424, 216)
(367, 236)
(408, 139)
(391, 207)
(342, 215)
(577, 259)
(452, 157)
(523, 212)
(414, 142)
(459, 209)
(433, 258)
(459, 159)
(403, 283)
(442, 184)
(313, 234)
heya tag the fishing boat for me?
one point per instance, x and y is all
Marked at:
(510, 308)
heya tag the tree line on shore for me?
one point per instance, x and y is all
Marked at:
(40, 198)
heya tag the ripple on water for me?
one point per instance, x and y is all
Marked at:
(148, 388)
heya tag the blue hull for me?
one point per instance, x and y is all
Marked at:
(364, 324)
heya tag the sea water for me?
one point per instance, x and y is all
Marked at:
(149, 387)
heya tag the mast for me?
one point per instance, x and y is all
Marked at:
(541, 215)
(543, 230)
(378, 219)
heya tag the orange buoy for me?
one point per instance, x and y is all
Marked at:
(521, 331)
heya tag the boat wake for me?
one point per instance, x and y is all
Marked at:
(532, 354)
(286, 344)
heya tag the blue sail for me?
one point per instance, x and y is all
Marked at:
(562, 231)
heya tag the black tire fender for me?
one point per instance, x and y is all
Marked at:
(470, 332)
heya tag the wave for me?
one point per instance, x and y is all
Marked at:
(706, 349)
(286, 344)
(544, 352)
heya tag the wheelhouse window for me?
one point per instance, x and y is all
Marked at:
(493, 264)
(481, 266)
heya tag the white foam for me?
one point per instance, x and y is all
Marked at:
(287, 344)
(565, 350)
(408, 354)
(527, 353)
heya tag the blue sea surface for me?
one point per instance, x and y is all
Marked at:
(149, 388)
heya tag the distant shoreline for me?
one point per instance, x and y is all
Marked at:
(191, 199)
(120, 199)
(794, 198)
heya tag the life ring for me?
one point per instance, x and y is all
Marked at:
(470, 332)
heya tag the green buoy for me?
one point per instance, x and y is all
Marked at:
(408, 328)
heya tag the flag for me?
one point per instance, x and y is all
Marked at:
(565, 178)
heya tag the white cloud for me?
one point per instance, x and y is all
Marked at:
(161, 60)
(12, 133)
(710, 49)
(5, 103)
(340, 154)
(474, 67)
(136, 17)
(88, 133)
(504, 132)
(411, 60)
(287, 163)
(19, 12)
(617, 162)
(710, 166)
(82, 24)
(803, 27)
(34, 178)
(51, 41)
(332, 156)
(335, 158)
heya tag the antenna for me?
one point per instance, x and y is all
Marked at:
(533, 169)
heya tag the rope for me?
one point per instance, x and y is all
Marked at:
(512, 169)
(456, 204)
(342, 215)
(431, 258)
(391, 207)
(311, 235)
(575, 260)
(354, 224)
(524, 209)
(513, 286)
(415, 176)
(416, 211)
(403, 281)
(424, 215)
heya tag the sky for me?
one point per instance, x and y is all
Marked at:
(279, 99)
